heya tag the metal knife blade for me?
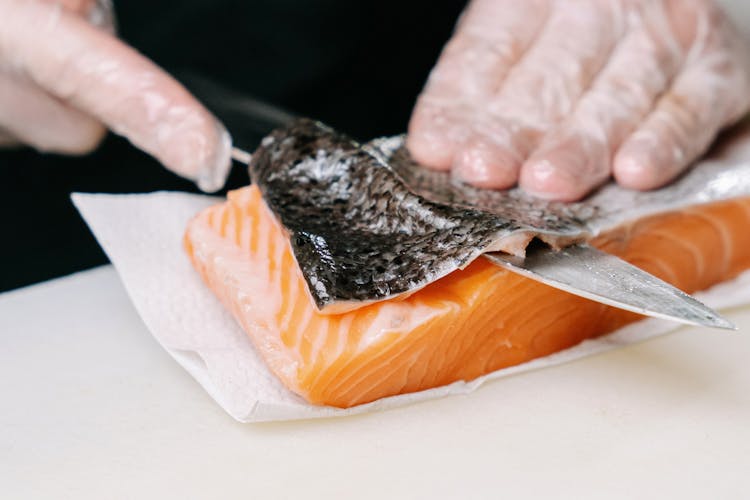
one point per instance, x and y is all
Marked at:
(585, 271)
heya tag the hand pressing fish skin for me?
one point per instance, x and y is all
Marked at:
(64, 77)
(559, 95)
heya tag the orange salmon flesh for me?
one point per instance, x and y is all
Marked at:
(472, 322)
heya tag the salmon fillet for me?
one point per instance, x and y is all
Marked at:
(472, 322)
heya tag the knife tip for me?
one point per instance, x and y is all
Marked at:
(717, 321)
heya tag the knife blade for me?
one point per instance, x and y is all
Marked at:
(591, 273)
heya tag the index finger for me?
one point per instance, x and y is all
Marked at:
(491, 37)
(112, 82)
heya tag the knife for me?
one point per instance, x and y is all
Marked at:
(579, 269)
(588, 272)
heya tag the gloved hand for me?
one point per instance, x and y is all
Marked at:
(558, 95)
(64, 77)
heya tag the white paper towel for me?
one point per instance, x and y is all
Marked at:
(142, 235)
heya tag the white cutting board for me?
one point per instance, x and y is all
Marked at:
(92, 407)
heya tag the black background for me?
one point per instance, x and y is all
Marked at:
(357, 65)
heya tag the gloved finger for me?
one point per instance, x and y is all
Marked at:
(33, 117)
(574, 45)
(110, 81)
(548, 81)
(492, 155)
(711, 92)
(680, 129)
(491, 37)
(576, 156)
(435, 131)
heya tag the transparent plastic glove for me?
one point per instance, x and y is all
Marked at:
(64, 77)
(558, 95)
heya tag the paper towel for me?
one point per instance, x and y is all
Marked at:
(142, 235)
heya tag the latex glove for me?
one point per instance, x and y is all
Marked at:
(64, 77)
(558, 95)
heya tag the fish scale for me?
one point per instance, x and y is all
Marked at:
(329, 194)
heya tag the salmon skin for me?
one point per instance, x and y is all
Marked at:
(357, 232)
(365, 223)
